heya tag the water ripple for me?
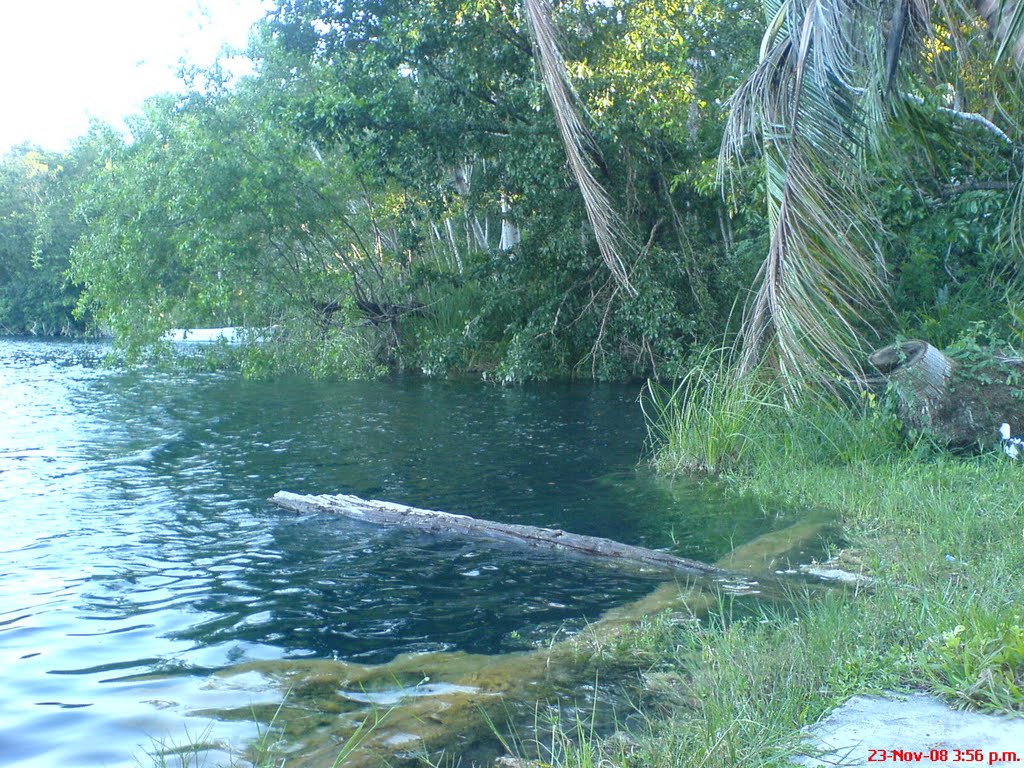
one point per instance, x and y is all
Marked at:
(139, 555)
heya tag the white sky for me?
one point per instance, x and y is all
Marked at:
(62, 61)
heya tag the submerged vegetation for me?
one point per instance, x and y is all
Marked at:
(268, 749)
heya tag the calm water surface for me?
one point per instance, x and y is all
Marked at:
(138, 553)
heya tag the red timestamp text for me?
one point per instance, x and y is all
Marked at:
(943, 755)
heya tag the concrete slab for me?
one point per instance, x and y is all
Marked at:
(915, 730)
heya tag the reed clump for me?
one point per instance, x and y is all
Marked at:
(716, 420)
(711, 420)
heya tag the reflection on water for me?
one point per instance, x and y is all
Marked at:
(139, 554)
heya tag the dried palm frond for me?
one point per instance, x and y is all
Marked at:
(823, 268)
(609, 230)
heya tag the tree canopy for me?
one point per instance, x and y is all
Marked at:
(534, 190)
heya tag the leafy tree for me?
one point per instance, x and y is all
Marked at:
(37, 229)
(218, 213)
(443, 99)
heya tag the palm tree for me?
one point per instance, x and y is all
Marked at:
(832, 75)
(830, 78)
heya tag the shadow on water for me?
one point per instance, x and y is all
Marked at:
(140, 556)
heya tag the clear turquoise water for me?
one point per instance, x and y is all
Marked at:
(138, 553)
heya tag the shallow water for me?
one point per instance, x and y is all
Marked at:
(139, 554)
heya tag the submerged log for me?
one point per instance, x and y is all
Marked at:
(389, 514)
(329, 703)
(958, 401)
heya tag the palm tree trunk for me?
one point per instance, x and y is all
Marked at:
(1006, 22)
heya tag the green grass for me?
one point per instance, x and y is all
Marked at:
(708, 422)
(941, 536)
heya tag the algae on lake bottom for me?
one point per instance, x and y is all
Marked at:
(428, 704)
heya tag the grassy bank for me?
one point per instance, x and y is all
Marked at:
(940, 536)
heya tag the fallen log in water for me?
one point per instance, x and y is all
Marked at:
(391, 514)
(326, 702)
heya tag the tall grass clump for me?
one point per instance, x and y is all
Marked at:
(823, 429)
(711, 419)
(716, 419)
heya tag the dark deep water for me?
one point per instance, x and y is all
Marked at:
(139, 555)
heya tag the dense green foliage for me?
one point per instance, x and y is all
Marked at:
(37, 232)
(389, 189)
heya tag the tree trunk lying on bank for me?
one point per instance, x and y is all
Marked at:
(957, 401)
(390, 514)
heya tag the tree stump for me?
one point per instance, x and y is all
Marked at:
(957, 399)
